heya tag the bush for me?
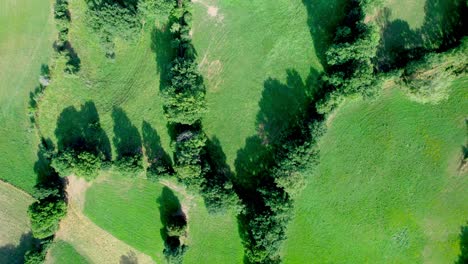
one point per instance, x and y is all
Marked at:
(45, 215)
(184, 98)
(38, 255)
(156, 9)
(428, 79)
(188, 150)
(81, 163)
(112, 20)
(130, 164)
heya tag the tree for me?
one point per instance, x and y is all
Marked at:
(81, 163)
(45, 215)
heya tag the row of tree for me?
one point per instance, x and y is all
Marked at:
(63, 45)
(48, 208)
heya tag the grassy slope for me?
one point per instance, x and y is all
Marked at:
(409, 11)
(15, 236)
(239, 49)
(387, 189)
(25, 43)
(62, 252)
(134, 217)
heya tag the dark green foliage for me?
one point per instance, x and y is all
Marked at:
(113, 19)
(45, 215)
(350, 59)
(265, 227)
(62, 45)
(38, 254)
(188, 150)
(463, 257)
(129, 165)
(184, 97)
(83, 164)
(174, 231)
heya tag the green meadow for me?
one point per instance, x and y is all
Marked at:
(388, 188)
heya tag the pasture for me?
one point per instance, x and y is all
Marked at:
(62, 252)
(25, 43)
(388, 188)
(15, 234)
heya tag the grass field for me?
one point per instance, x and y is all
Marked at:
(246, 71)
(388, 189)
(25, 43)
(15, 236)
(62, 252)
(131, 209)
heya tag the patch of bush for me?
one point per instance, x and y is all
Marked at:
(184, 97)
(46, 213)
(38, 255)
(112, 19)
(81, 163)
(62, 45)
(351, 59)
(188, 164)
(129, 164)
(428, 79)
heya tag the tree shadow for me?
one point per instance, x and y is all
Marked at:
(463, 257)
(153, 147)
(323, 17)
(161, 46)
(169, 208)
(127, 140)
(13, 254)
(443, 27)
(130, 258)
(81, 130)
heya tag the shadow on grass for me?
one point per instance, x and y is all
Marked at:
(463, 257)
(161, 46)
(443, 27)
(153, 148)
(13, 254)
(81, 130)
(127, 139)
(130, 258)
(169, 208)
(323, 19)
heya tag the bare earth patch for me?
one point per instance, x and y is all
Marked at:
(212, 10)
(86, 237)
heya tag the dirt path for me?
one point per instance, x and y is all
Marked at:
(86, 237)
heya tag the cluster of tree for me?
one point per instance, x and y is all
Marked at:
(48, 208)
(184, 94)
(176, 233)
(350, 59)
(123, 19)
(83, 163)
(63, 45)
(269, 209)
(428, 79)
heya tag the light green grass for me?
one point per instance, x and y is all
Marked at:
(239, 49)
(387, 189)
(410, 11)
(15, 232)
(25, 43)
(130, 210)
(62, 252)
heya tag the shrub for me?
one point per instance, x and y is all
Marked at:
(428, 79)
(112, 20)
(81, 163)
(188, 150)
(156, 9)
(45, 215)
(184, 98)
(130, 164)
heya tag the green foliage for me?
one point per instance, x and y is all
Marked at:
(45, 215)
(428, 79)
(81, 163)
(111, 20)
(156, 9)
(38, 255)
(129, 164)
(184, 97)
(188, 149)
(62, 21)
